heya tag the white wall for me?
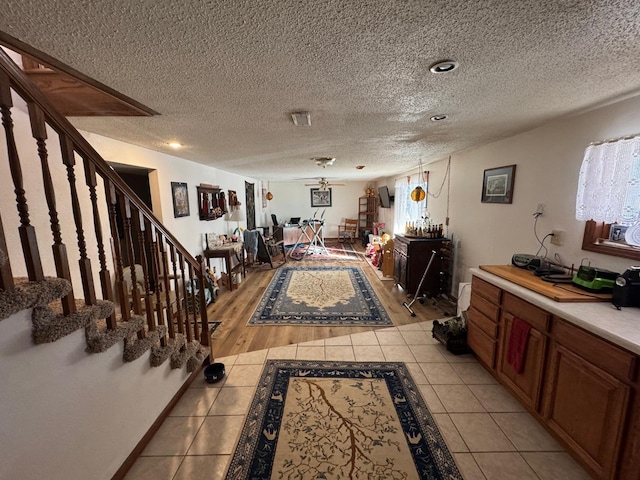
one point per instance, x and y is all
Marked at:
(168, 168)
(548, 161)
(293, 199)
(70, 415)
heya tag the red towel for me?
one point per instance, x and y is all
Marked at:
(517, 347)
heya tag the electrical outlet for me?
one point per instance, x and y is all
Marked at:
(539, 209)
(558, 237)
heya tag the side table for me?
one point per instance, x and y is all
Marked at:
(227, 252)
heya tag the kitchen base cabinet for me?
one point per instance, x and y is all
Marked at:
(482, 324)
(583, 388)
(528, 383)
(586, 407)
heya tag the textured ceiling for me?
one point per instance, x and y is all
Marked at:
(226, 74)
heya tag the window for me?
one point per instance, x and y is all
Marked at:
(609, 197)
(406, 210)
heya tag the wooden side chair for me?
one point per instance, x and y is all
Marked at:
(348, 231)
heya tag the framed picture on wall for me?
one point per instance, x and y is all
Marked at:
(180, 198)
(320, 198)
(497, 185)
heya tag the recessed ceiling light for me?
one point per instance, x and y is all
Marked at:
(444, 66)
(301, 119)
(437, 118)
(174, 144)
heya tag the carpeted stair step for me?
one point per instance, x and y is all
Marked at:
(28, 294)
(99, 338)
(51, 324)
(195, 362)
(189, 355)
(134, 347)
(160, 354)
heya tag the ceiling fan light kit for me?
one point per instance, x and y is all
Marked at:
(323, 184)
(324, 161)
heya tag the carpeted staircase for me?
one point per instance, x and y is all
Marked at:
(50, 324)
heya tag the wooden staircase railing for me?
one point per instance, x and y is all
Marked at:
(165, 295)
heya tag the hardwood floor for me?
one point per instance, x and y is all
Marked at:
(234, 309)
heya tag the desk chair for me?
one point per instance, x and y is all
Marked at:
(274, 219)
(348, 230)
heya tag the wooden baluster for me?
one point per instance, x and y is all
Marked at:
(148, 303)
(194, 302)
(172, 252)
(26, 230)
(186, 298)
(60, 258)
(125, 209)
(105, 274)
(121, 289)
(68, 158)
(152, 238)
(6, 277)
(204, 320)
(164, 268)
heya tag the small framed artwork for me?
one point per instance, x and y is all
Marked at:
(180, 198)
(617, 233)
(320, 198)
(497, 185)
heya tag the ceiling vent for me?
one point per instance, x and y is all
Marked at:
(301, 119)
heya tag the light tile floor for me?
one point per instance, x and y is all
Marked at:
(490, 435)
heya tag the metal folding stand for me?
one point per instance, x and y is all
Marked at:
(417, 294)
(316, 241)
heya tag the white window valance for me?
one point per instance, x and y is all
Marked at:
(609, 183)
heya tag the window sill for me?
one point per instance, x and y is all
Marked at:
(596, 240)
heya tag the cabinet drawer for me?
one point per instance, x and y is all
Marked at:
(614, 360)
(482, 345)
(486, 324)
(484, 306)
(486, 290)
(534, 316)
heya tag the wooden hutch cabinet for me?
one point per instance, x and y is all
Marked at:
(410, 258)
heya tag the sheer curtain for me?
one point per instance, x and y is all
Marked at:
(406, 210)
(609, 183)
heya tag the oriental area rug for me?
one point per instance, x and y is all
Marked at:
(339, 420)
(320, 295)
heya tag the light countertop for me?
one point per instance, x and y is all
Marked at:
(621, 327)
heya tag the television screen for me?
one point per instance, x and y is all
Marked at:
(385, 199)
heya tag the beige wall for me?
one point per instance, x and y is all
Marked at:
(548, 160)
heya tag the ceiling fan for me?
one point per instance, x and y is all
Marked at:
(324, 184)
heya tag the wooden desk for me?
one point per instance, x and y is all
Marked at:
(227, 252)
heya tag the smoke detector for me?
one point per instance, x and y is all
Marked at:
(323, 161)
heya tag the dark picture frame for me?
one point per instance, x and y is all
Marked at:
(497, 184)
(180, 196)
(320, 198)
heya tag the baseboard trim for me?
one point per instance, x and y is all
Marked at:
(133, 456)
